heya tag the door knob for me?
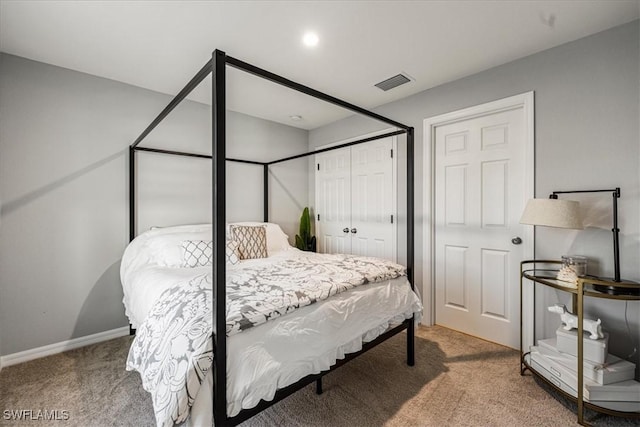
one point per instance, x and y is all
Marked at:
(516, 240)
(345, 230)
(354, 231)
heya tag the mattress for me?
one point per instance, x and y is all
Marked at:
(279, 352)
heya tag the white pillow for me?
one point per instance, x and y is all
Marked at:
(163, 246)
(276, 239)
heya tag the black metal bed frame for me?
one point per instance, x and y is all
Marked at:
(217, 68)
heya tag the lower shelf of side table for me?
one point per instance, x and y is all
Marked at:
(616, 408)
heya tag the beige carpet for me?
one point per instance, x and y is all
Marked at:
(457, 381)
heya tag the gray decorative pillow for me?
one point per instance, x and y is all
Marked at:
(232, 252)
(252, 240)
(197, 253)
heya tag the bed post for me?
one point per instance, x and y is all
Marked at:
(410, 242)
(265, 183)
(132, 195)
(219, 239)
(132, 204)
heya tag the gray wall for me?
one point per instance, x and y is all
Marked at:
(166, 183)
(257, 139)
(587, 137)
(64, 193)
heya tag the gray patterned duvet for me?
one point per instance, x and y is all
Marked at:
(258, 294)
(173, 347)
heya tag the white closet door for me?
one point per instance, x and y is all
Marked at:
(333, 201)
(372, 199)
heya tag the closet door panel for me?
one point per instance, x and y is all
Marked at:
(333, 201)
(372, 201)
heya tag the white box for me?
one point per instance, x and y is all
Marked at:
(627, 392)
(624, 391)
(594, 350)
(618, 406)
(558, 373)
(612, 371)
(535, 359)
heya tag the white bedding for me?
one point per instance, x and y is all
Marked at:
(273, 355)
(151, 263)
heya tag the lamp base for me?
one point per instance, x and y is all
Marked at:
(613, 290)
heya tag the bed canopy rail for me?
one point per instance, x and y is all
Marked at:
(267, 75)
(265, 165)
(217, 68)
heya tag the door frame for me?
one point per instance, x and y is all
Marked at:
(524, 101)
(394, 177)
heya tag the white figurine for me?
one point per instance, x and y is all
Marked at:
(571, 321)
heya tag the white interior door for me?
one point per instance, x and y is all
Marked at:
(333, 201)
(479, 187)
(372, 199)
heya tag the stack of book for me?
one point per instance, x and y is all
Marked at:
(608, 380)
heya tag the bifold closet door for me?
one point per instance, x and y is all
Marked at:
(333, 201)
(355, 200)
(372, 199)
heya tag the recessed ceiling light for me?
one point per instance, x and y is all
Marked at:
(295, 118)
(310, 39)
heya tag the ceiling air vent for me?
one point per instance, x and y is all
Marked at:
(392, 82)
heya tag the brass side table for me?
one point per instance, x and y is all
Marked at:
(544, 273)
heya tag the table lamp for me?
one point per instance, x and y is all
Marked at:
(554, 212)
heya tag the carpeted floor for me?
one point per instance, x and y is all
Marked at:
(458, 380)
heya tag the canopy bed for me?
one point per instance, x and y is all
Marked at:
(389, 293)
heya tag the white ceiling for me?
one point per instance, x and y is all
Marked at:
(160, 45)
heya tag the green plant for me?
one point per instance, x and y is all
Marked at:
(305, 241)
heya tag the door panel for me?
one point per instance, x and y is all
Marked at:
(455, 194)
(372, 199)
(333, 201)
(494, 193)
(455, 281)
(495, 284)
(478, 199)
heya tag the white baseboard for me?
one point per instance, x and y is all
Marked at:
(48, 350)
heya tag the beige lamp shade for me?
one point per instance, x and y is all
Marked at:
(553, 213)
